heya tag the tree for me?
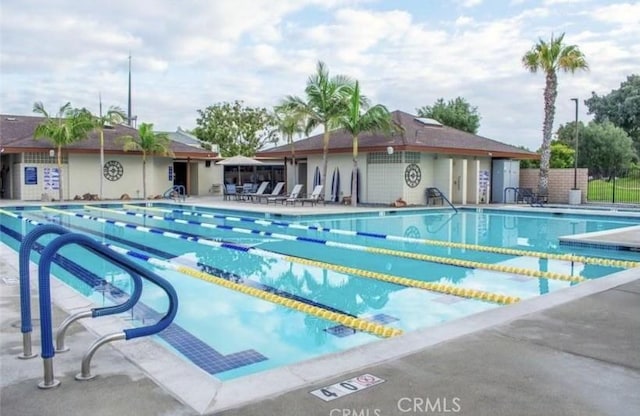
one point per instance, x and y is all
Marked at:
(610, 149)
(114, 115)
(236, 129)
(149, 143)
(68, 126)
(621, 107)
(550, 58)
(562, 156)
(289, 122)
(325, 104)
(457, 113)
(567, 135)
(361, 117)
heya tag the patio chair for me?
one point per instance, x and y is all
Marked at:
(257, 193)
(293, 195)
(230, 191)
(276, 192)
(313, 199)
(527, 196)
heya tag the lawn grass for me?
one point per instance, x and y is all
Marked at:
(627, 190)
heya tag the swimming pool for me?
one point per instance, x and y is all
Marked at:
(371, 267)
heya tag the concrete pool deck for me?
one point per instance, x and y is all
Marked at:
(573, 351)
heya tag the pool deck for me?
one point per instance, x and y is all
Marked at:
(575, 351)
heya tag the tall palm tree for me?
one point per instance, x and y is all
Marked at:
(326, 102)
(289, 123)
(69, 125)
(114, 115)
(551, 57)
(361, 117)
(149, 143)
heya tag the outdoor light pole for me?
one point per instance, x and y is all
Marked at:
(575, 161)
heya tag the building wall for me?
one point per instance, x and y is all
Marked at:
(209, 176)
(382, 181)
(560, 182)
(386, 183)
(344, 163)
(87, 168)
(35, 192)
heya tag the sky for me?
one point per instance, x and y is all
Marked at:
(189, 54)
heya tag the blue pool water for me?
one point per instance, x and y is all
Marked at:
(230, 334)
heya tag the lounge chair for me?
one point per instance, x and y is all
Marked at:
(316, 195)
(293, 195)
(250, 195)
(527, 195)
(275, 193)
(230, 191)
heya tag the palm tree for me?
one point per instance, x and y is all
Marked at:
(326, 102)
(289, 123)
(149, 143)
(550, 58)
(115, 115)
(360, 117)
(69, 125)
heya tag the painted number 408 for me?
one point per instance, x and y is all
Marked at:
(337, 390)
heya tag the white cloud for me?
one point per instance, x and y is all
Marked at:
(190, 54)
(470, 3)
(463, 21)
(619, 14)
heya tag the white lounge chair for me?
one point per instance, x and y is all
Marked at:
(259, 192)
(293, 195)
(275, 193)
(316, 195)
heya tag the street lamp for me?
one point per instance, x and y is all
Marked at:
(575, 161)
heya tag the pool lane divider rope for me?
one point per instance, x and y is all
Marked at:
(355, 247)
(358, 324)
(627, 264)
(403, 281)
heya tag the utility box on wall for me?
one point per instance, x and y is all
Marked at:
(505, 174)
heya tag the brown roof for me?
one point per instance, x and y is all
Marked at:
(16, 136)
(415, 136)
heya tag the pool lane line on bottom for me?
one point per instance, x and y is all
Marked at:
(358, 324)
(628, 264)
(355, 247)
(402, 281)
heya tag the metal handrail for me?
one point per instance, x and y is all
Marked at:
(439, 194)
(46, 330)
(101, 311)
(178, 192)
(25, 288)
(25, 292)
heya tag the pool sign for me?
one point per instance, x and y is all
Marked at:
(30, 175)
(346, 387)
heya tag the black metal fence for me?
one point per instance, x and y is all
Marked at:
(621, 188)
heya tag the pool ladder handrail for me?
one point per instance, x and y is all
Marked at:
(26, 326)
(176, 192)
(433, 192)
(46, 326)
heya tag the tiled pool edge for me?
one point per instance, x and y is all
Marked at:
(204, 394)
